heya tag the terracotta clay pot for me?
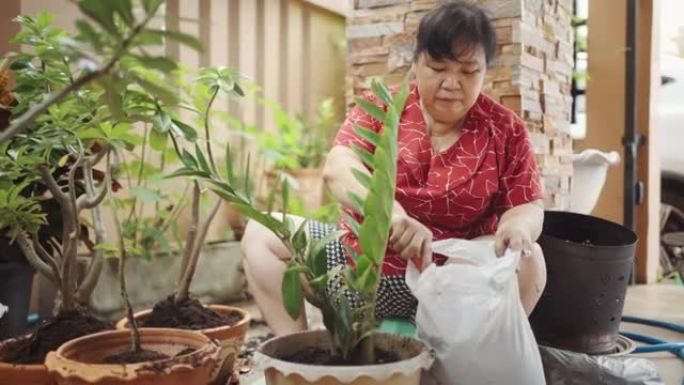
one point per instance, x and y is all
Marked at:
(14, 374)
(77, 361)
(230, 338)
(414, 357)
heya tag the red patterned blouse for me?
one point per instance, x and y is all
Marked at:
(462, 191)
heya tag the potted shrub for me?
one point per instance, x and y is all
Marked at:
(297, 149)
(134, 356)
(225, 323)
(69, 116)
(350, 350)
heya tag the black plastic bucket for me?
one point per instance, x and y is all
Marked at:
(589, 261)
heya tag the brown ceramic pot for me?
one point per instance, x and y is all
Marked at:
(77, 361)
(13, 374)
(230, 338)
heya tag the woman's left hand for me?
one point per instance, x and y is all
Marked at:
(519, 228)
(513, 238)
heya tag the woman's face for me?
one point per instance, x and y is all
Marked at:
(448, 88)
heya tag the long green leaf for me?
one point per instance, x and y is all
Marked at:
(161, 63)
(151, 6)
(370, 136)
(371, 108)
(180, 37)
(381, 92)
(101, 11)
(163, 93)
(357, 202)
(362, 177)
(201, 160)
(188, 160)
(292, 291)
(183, 130)
(365, 156)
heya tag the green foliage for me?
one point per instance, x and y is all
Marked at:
(97, 94)
(18, 212)
(306, 275)
(299, 142)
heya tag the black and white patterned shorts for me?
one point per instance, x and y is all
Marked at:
(394, 298)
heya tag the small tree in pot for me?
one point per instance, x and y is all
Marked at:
(224, 323)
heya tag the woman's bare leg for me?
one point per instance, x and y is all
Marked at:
(264, 263)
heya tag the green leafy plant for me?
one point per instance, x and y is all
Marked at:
(299, 142)
(306, 275)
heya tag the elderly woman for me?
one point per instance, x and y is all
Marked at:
(466, 169)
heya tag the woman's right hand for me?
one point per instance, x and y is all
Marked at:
(409, 238)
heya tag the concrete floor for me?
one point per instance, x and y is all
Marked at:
(661, 302)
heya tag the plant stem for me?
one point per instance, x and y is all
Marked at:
(189, 271)
(133, 325)
(368, 343)
(192, 233)
(207, 133)
(95, 266)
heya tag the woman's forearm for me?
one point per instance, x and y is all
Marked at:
(528, 217)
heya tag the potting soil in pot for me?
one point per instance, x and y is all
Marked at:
(51, 334)
(317, 356)
(188, 314)
(144, 355)
(131, 357)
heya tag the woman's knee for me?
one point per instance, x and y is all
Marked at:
(260, 242)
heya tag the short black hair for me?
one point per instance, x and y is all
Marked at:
(459, 23)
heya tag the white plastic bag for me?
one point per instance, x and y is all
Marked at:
(470, 314)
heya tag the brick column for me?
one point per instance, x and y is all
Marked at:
(532, 73)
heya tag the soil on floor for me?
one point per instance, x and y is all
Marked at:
(51, 334)
(188, 314)
(319, 356)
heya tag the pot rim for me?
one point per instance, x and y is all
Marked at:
(57, 363)
(312, 373)
(4, 364)
(122, 324)
(632, 234)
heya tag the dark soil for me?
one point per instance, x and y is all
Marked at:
(188, 314)
(53, 333)
(319, 356)
(252, 344)
(131, 357)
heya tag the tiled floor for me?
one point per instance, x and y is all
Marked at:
(661, 302)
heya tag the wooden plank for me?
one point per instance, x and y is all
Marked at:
(605, 99)
(189, 23)
(295, 58)
(8, 28)
(172, 23)
(205, 28)
(248, 32)
(234, 48)
(260, 56)
(306, 59)
(648, 165)
(283, 53)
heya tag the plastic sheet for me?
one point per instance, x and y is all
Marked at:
(562, 367)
